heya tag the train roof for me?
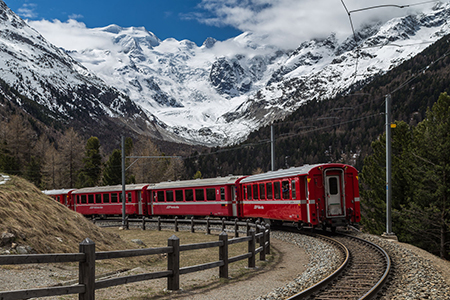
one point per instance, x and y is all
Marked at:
(57, 192)
(294, 171)
(111, 188)
(198, 182)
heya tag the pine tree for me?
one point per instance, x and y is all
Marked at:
(432, 193)
(91, 172)
(112, 174)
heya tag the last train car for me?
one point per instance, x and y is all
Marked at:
(62, 196)
(311, 195)
(200, 197)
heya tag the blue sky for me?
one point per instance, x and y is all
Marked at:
(286, 23)
(165, 18)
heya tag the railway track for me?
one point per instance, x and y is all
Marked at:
(364, 269)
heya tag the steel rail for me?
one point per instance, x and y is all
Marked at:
(323, 283)
(313, 289)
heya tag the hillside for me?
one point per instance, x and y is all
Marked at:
(45, 225)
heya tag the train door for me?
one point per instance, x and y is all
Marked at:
(334, 194)
(139, 196)
(233, 201)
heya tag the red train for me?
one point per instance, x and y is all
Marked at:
(311, 195)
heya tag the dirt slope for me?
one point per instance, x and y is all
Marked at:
(38, 221)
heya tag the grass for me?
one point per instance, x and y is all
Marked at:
(38, 221)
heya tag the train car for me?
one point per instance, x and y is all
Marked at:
(107, 200)
(311, 195)
(200, 197)
(63, 196)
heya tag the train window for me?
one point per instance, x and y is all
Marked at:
(269, 190)
(105, 198)
(334, 190)
(179, 195)
(249, 192)
(129, 197)
(113, 198)
(277, 190)
(222, 193)
(294, 194)
(262, 191)
(255, 191)
(160, 196)
(199, 195)
(91, 198)
(189, 194)
(169, 196)
(211, 194)
(98, 198)
(83, 199)
(285, 189)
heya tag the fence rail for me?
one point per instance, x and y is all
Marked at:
(87, 257)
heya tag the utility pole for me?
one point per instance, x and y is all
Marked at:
(272, 148)
(123, 175)
(388, 234)
(123, 183)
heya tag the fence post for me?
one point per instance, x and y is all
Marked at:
(173, 264)
(86, 270)
(127, 223)
(159, 223)
(236, 228)
(192, 225)
(223, 224)
(251, 249)
(268, 238)
(208, 229)
(143, 223)
(223, 255)
(262, 243)
(257, 229)
(176, 224)
(248, 226)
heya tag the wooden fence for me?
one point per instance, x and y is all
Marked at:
(87, 257)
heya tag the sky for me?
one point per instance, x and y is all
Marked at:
(285, 23)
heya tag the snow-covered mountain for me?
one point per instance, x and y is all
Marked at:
(215, 94)
(62, 88)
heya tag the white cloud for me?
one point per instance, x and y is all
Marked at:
(289, 22)
(76, 16)
(27, 11)
(71, 35)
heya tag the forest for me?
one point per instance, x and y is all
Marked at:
(420, 182)
(69, 161)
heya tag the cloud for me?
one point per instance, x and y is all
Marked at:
(287, 23)
(28, 11)
(71, 35)
(75, 17)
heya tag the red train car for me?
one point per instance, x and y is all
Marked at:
(325, 194)
(107, 200)
(200, 197)
(62, 196)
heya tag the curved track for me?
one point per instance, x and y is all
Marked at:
(360, 276)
